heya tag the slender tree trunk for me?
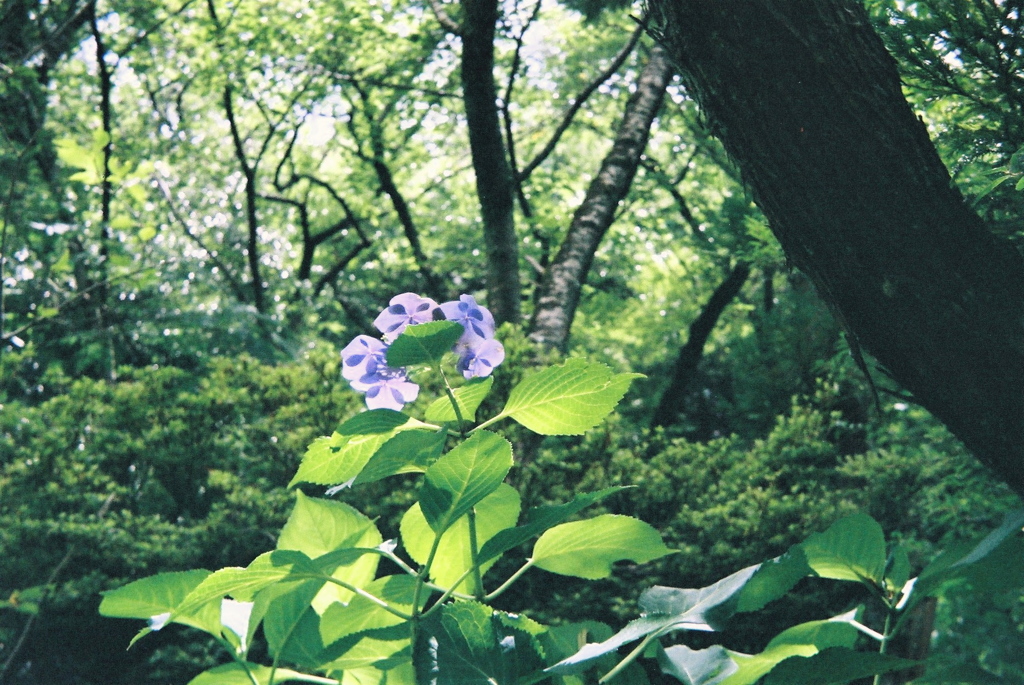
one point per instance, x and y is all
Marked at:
(807, 101)
(559, 294)
(691, 353)
(494, 182)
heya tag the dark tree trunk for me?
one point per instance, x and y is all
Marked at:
(559, 293)
(807, 101)
(690, 353)
(494, 182)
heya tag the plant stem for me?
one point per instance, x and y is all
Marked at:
(474, 553)
(508, 583)
(884, 646)
(451, 397)
(630, 658)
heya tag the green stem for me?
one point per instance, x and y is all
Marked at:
(451, 397)
(359, 591)
(886, 636)
(488, 422)
(474, 553)
(239, 660)
(508, 583)
(630, 658)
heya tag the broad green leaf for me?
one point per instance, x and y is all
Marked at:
(803, 640)
(243, 583)
(692, 609)
(834, 666)
(495, 512)
(155, 599)
(385, 649)
(291, 626)
(666, 609)
(992, 558)
(590, 652)
(235, 674)
(771, 580)
(342, 456)
(424, 343)
(466, 643)
(697, 667)
(587, 549)
(407, 452)
(469, 397)
(463, 477)
(317, 527)
(539, 519)
(375, 422)
(897, 569)
(853, 548)
(567, 399)
(362, 614)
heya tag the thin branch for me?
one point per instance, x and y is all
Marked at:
(446, 22)
(252, 220)
(578, 103)
(506, 114)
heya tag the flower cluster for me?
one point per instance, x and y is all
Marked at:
(364, 360)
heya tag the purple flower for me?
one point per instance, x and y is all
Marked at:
(477, 321)
(404, 310)
(478, 359)
(364, 365)
(391, 393)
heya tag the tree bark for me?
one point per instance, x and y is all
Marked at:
(690, 353)
(808, 102)
(559, 294)
(494, 183)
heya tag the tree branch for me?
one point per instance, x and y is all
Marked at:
(570, 113)
(690, 354)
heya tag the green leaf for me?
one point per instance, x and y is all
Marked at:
(362, 614)
(341, 457)
(463, 477)
(853, 548)
(664, 610)
(147, 232)
(568, 399)
(317, 527)
(374, 422)
(539, 519)
(235, 674)
(424, 343)
(407, 452)
(374, 650)
(697, 667)
(771, 580)
(291, 626)
(803, 640)
(155, 598)
(466, 643)
(469, 397)
(834, 665)
(587, 549)
(243, 583)
(494, 512)
(986, 561)
(897, 569)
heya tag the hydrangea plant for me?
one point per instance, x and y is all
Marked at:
(325, 611)
(329, 615)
